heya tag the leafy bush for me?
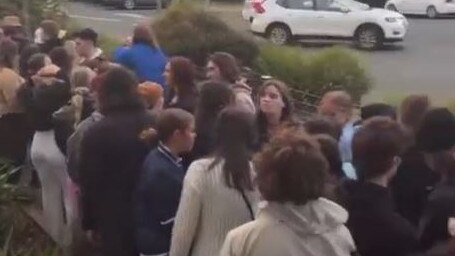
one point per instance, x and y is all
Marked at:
(7, 190)
(316, 73)
(288, 64)
(189, 31)
(19, 234)
(336, 68)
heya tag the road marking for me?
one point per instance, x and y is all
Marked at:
(130, 15)
(93, 18)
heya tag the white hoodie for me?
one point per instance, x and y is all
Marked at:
(314, 229)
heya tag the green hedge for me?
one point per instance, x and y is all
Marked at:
(189, 31)
(316, 72)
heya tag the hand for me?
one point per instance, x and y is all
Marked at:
(148, 136)
(49, 70)
(159, 105)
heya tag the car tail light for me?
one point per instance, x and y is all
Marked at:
(258, 6)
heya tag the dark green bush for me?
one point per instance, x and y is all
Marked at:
(337, 68)
(316, 73)
(189, 31)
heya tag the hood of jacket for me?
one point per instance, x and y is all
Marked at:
(241, 87)
(315, 217)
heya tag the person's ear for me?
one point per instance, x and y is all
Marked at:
(396, 161)
(178, 133)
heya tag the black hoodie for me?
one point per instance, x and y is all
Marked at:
(375, 226)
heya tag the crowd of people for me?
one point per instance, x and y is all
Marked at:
(142, 158)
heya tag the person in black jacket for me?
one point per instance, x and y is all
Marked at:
(440, 207)
(161, 180)
(417, 176)
(375, 226)
(112, 154)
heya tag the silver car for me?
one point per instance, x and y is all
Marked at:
(132, 4)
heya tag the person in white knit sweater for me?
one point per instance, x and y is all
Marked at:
(218, 193)
(296, 220)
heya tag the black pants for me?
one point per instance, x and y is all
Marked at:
(15, 133)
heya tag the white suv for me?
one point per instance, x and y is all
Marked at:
(284, 20)
(430, 8)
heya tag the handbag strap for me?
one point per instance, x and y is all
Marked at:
(248, 204)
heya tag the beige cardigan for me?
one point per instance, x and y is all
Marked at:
(208, 210)
(314, 229)
(10, 82)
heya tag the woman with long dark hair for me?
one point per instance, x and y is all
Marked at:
(179, 75)
(275, 108)
(143, 57)
(218, 192)
(223, 67)
(112, 154)
(213, 98)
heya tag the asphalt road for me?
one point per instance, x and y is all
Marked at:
(108, 20)
(423, 63)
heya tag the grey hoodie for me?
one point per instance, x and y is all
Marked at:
(243, 96)
(74, 144)
(314, 229)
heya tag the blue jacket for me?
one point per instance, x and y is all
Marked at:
(157, 200)
(146, 61)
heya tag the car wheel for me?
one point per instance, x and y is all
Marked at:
(129, 4)
(392, 7)
(369, 38)
(432, 12)
(279, 34)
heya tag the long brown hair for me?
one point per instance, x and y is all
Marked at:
(413, 109)
(182, 73)
(227, 64)
(286, 114)
(235, 137)
(144, 34)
